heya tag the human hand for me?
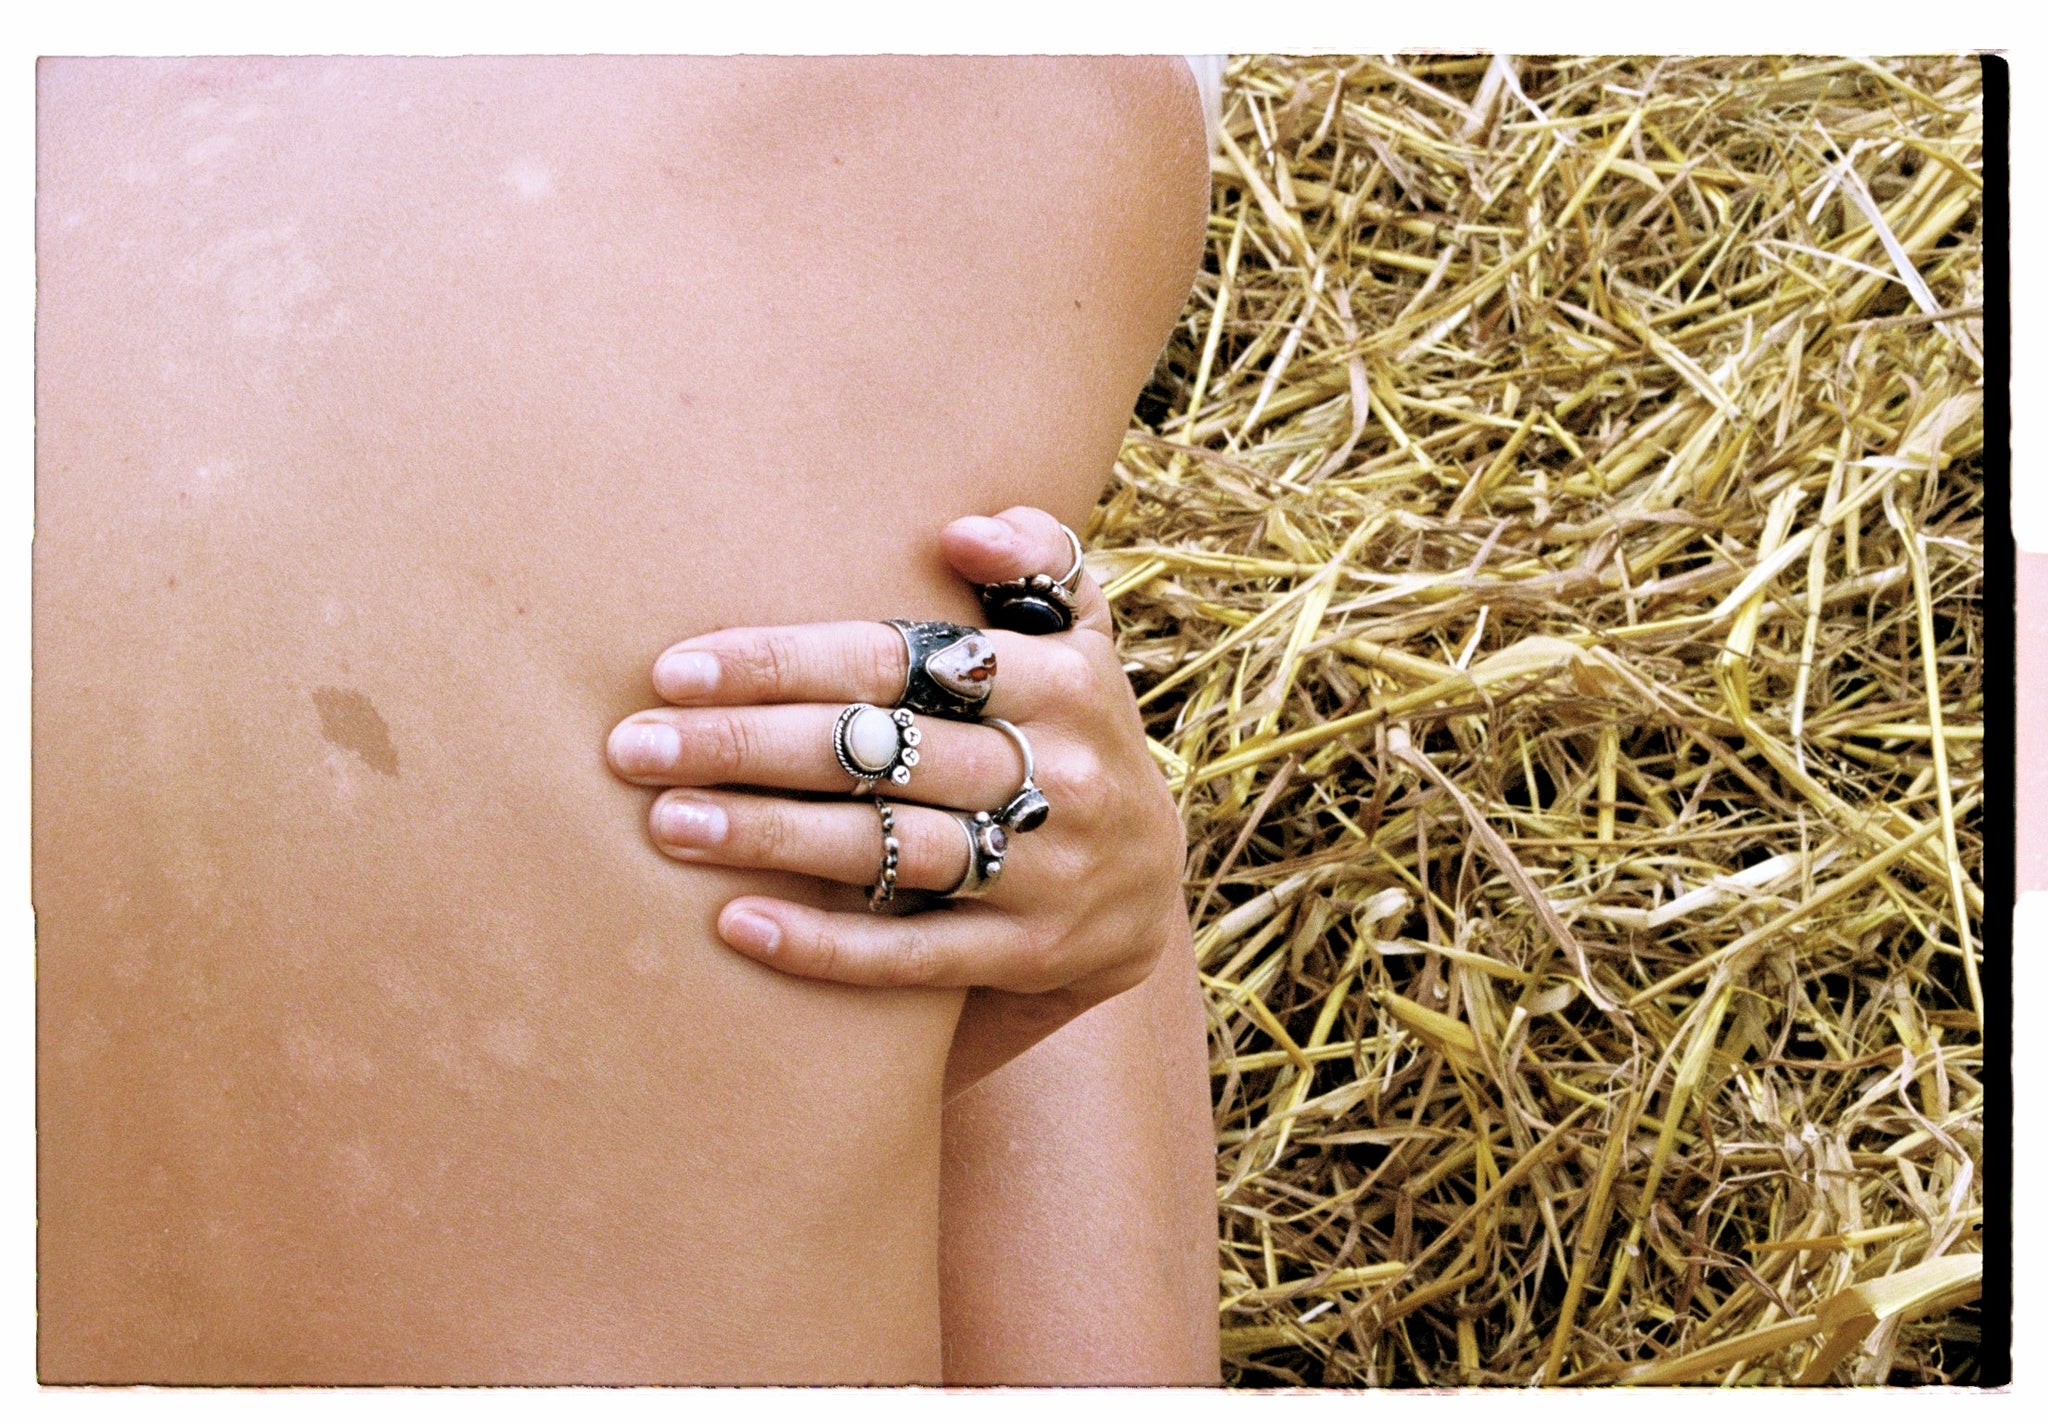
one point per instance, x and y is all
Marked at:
(1083, 907)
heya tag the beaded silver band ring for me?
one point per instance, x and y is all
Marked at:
(884, 889)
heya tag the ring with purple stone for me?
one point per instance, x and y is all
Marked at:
(952, 668)
(1039, 603)
(875, 744)
(1027, 810)
(987, 843)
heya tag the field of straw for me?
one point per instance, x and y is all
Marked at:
(1549, 558)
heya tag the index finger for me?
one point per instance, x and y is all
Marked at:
(854, 662)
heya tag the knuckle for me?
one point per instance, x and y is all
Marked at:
(1100, 649)
(914, 961)
(726, 743)
(1045, 960)
(764, 833)
(827, 955)
(758, 662)
(778, 662)
(1068, 678)
(1139, 967)
(1126, 975)
(1170, 830)
(1040, 528)
(937, 854)
(881, 664)
(1078, 785)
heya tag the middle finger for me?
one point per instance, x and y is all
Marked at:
(789, 747)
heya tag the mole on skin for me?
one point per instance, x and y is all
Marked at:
(351, 721)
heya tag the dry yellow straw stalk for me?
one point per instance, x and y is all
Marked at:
(1550, 561)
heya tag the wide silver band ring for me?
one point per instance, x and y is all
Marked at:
(1028, 808)
(987, 844)
(874, 744)
(952, 668)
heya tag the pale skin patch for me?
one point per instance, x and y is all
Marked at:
(646, 956)
(351, 721)
(529, 178)
(510, 1043)
(359, 1174)
(316, 1058)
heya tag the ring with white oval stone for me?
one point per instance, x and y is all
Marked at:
(875, 744)
(1027, 810)
(987, 844)
(952, 668)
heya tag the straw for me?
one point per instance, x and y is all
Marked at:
(1549, 557)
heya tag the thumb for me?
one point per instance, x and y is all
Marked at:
(1016, 544)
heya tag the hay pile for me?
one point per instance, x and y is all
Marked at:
(1549, 558)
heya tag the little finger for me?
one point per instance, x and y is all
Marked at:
(955, 946)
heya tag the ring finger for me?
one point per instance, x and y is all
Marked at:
(839, 841)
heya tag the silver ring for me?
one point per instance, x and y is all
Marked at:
(1028, 808)
(1071, 579)
(875, 744)
(884, 889)
(987, 843)
(952, 668)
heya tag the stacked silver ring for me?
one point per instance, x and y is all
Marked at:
(951, 674)
(1039, 603)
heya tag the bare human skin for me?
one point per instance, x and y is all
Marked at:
(391, 416)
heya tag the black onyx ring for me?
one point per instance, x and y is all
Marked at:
(952, 668)
(874, 744)
(987, 844)
(1038, 604)
(1027, 810)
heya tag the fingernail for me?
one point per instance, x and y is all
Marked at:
(751, 933)
(993, 530)
(679, 676)
(682, 821)
(640, 748)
